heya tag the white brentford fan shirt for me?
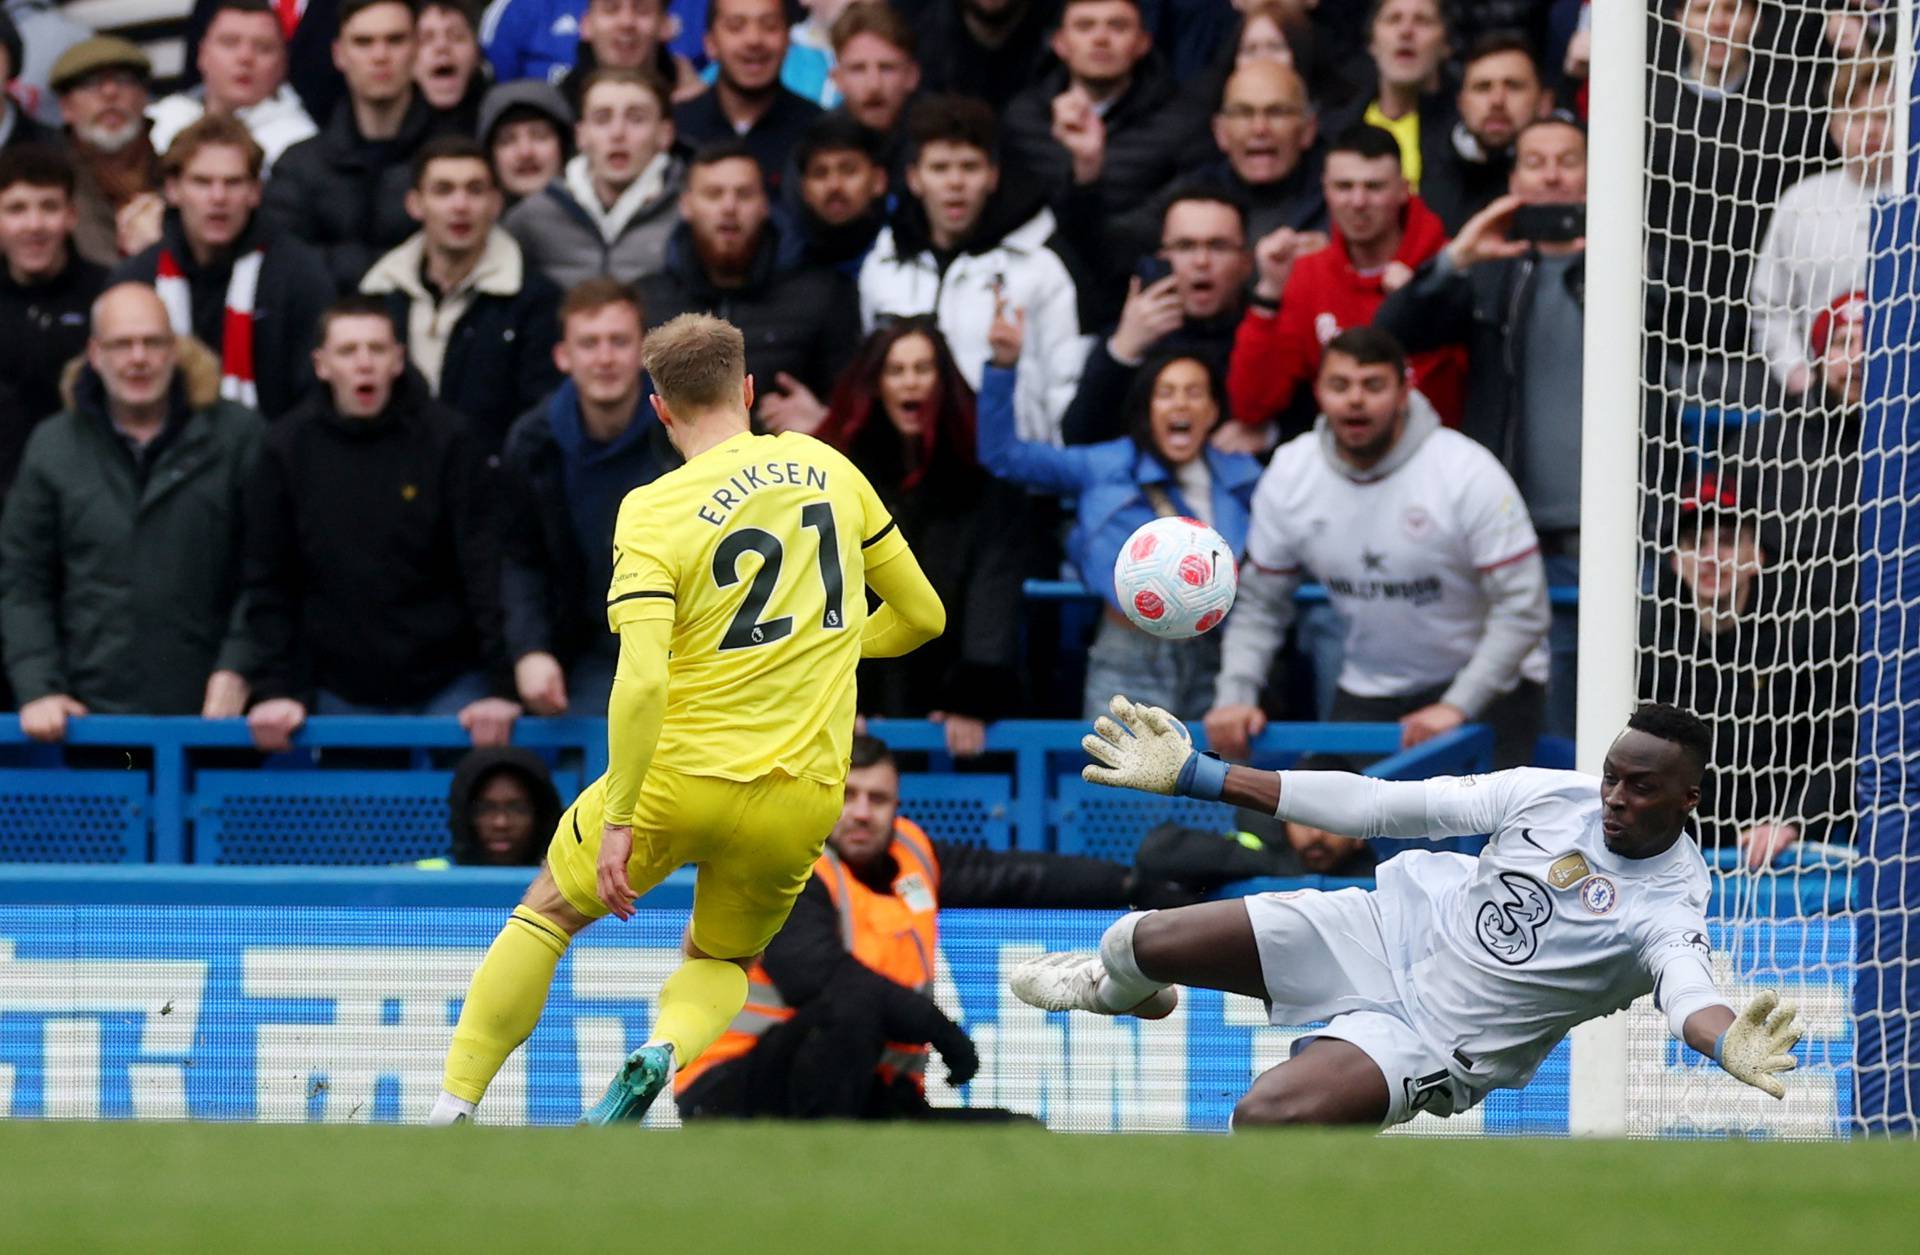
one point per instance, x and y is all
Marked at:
(1400, 553)
(1497, 957)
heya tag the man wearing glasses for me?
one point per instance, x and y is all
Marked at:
(1187, 296)
(120, 543)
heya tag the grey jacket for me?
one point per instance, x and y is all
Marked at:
(568, 241)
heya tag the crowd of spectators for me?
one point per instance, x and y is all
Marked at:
(320, 376)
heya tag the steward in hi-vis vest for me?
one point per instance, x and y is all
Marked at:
(840, 1011)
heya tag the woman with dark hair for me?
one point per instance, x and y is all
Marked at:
(905, 416)
(1164, 466)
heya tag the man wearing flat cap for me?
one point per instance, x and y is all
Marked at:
(104, 85)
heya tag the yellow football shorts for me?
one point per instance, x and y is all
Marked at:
(754, 844)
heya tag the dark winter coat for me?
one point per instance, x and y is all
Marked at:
(43, 326)
(295, 288)
(966, 529)
(1099, 407)
(348, 197)
(372, 558)
(554, 585)
(804, 322)
(1152, 135)
(120, 588)
(499, 352)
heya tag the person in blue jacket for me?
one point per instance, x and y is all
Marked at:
(1164, 466)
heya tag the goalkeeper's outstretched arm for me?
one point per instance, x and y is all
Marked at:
(1143, 747)
(1753, 1046)
(910, 614)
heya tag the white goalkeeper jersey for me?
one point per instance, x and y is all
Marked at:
(1500, 956)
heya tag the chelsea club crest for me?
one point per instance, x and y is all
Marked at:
(1599, 895)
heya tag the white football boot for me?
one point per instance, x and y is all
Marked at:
(1071, 982)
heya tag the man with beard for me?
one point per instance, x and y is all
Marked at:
(1500, 92)
(103, 84)
(243, 72)
(612, 209)
(801, 326)
(990, 49)
(876, 71)
(251, 294)
(843, 193)
(478, 322)
(747, 102)
(1428, 556)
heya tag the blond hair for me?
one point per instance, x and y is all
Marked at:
(697, 362)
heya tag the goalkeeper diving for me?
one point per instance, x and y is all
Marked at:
(739, 595)
(1454, 976)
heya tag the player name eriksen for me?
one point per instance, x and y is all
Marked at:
(750, 478)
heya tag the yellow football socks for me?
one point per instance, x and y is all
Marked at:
(696, 1005)
(505, 1000)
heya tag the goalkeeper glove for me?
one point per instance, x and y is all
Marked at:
(1757, 1044)
(1148, 749)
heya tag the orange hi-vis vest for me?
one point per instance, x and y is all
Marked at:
(897, 934)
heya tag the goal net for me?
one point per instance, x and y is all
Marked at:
(1775, 553)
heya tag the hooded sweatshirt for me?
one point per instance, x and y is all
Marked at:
(474, 771)
(1428, 556)
(1278, 351)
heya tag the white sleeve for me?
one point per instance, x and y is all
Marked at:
(1361, 806)
(1779, 331)
(1055, 343)
(869, 277)
(1678, 956)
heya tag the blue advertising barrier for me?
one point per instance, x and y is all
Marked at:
(172, 793)
(211, 994)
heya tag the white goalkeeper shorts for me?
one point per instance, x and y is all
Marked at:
(1323, 957)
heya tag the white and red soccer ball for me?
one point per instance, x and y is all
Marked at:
(1175, 578)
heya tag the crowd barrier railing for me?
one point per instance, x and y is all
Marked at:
(132, 789)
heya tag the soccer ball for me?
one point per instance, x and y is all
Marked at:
(1175, 578)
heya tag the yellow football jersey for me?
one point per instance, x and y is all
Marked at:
(759, 548)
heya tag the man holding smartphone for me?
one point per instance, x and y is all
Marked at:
(1188, 296)
(1512, 288)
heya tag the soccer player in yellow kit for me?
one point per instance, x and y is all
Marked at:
(739, 595)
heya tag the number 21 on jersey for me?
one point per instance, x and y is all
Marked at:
(748, 629)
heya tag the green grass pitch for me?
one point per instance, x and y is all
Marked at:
(916, 1190)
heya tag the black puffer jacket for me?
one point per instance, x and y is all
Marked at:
(805, 322)
(1153, 133)
(473, 772)
(347, 197)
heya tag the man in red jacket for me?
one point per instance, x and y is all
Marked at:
(1310, 289)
